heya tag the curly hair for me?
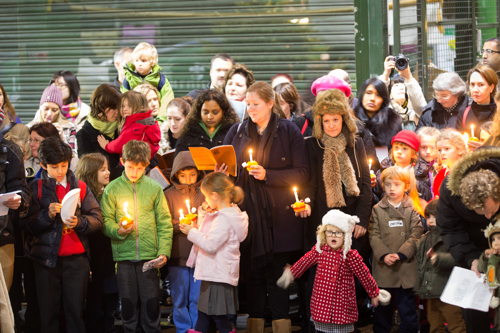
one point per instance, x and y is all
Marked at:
(229, 117)
(477, 186)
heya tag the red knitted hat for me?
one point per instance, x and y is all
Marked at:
(328, 82)
(408, 137)
(52, 94)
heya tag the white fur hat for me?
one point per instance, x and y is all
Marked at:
(344, 222)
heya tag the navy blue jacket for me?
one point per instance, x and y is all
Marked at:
(47, 231)
(286, 167)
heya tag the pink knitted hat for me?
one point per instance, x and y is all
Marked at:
(328, 82)
(52, 94)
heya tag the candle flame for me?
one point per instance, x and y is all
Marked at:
(125, 210)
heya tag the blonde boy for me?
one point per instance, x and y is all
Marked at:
(144, 68)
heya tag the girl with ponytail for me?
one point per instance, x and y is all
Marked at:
(215, 254)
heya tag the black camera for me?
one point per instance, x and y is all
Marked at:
(401, 62)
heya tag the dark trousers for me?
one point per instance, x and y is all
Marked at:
(404, 301)
(262, 291)
(476, 321)
(223, 323)
(101, 306)
(24, 287)
(140, 293)
(63, 286)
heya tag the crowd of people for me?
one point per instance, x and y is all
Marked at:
(364, 204)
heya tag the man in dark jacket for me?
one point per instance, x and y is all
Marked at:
(462, 228)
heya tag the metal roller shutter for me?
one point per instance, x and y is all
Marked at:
(303, 38)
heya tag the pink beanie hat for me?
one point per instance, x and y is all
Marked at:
(328, 82)
(52, 94)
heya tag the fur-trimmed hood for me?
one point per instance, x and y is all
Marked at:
(483, 158)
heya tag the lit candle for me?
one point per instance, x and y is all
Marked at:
(125, 210)
(296, 195)
(188, 206)
(181, 214)
(250, 151)
(472, 130)
(370, 164)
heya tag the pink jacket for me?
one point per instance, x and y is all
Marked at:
(215, 254)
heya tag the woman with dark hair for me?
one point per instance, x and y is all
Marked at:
(102, 120)
(294, 108)
(276, 235)
(73, 108)
(208, 121)
(377, 115)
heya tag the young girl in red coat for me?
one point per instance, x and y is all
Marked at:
(333, 301)
(139, 125)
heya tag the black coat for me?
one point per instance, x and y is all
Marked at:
(197, 137)
(47, 231)
(87, 143)
(434, 115)
(359, 206)
(383, 125)
(286, 167)
(477, 115)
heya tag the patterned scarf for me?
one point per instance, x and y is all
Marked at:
(337, 170)
(72, 110)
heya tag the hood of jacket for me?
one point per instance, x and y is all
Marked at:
(487, 158)
(183, 160)
(145, 118)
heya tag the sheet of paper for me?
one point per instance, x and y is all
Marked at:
(157, 175)
(69, 203)
(466, 290)
(4, 210)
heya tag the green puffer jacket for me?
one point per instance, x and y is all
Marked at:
(152, 234)
(432, 278)
(133, 79)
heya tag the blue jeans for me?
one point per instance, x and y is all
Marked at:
(185, 293)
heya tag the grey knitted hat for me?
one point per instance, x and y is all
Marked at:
(52, 94)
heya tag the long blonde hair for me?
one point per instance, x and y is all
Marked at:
(408, 178)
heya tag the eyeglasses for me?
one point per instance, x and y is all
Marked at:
(330, 233)
(442, 97)
(489, 51)
(34, 141)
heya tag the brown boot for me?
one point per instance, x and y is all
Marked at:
(282, 326)
(255, 325)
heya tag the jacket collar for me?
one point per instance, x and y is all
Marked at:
(384, 203)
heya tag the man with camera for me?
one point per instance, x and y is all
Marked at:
(406, 94)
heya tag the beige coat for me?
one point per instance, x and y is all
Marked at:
(394, 230)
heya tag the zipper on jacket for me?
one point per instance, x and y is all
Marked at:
(136, 223)
(356, 158)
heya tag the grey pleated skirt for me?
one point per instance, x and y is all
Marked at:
(217, 298)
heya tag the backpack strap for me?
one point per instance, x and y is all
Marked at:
(125, 84)
(464, 118)
(39, 183)
(304, 127)
(83, 190)
(161, 83)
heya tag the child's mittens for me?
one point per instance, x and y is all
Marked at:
(286, 278)
(494, 302)
(384, 297)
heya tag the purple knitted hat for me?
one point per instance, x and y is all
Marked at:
(52, 94)
(328, 82)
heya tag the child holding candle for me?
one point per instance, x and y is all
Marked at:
(185, 290)
(216, 254)
(149, 238)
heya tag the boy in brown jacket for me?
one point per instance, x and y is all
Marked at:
(393, 230)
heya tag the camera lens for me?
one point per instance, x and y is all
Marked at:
(401, 62)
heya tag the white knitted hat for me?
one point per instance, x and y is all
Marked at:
(344, 222)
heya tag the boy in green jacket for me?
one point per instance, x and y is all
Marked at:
(137, 219)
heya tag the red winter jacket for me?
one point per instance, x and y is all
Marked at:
(138, 126)
(333, 298)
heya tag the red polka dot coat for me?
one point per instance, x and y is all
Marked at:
(334, 295)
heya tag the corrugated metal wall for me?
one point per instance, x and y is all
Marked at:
(303, 38)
